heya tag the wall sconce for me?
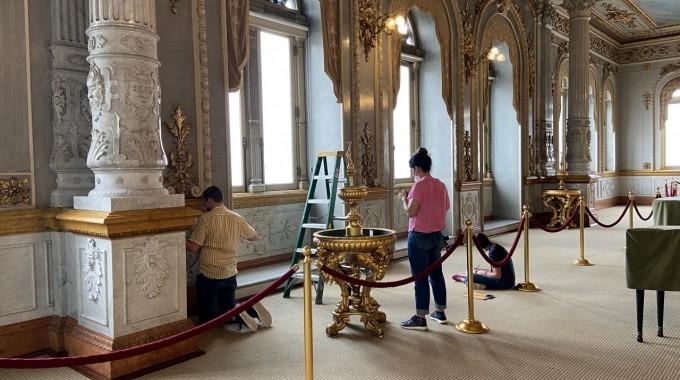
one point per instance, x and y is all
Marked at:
(371, 24)
(471, 64)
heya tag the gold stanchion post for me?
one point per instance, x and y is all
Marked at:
(469, 325)
(526, 286)
(581, 261)
(307, 277)
(631, 204)
(631, 198)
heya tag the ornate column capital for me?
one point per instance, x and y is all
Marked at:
(578, 7)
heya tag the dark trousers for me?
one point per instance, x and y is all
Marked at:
(214, 297)
(424, 249)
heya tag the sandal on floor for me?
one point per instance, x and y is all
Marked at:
(458, 277)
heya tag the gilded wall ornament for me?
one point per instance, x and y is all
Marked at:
(647, 100)
(602, 47)
(151, 267)
(532, 64)
(467, 156)
(205, 145)
(368, 165)
(181, 179)
(468, 46)
(93, 271)
(14, 190)
(173, 6)
(563, 49)
(673, 67)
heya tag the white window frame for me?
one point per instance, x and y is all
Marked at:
(413, 63)
(251, 101)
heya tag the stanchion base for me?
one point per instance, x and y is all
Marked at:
(471, 327)
(582, 262)
(528, 287)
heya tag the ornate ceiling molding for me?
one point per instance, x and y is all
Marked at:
(618, 15)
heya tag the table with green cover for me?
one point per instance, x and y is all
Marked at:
(652, 263)
(666, 211)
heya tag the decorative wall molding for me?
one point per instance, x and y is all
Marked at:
(93, 270)
(151, 267)
(203, 96)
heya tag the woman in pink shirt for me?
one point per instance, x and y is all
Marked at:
(426, 206)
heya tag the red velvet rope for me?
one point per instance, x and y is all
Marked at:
(613, 224)
(510, 253)
(560, 228)
(394, 284)
(640, 215)
(72, 361)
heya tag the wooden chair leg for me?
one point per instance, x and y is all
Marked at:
(640, 303)
(659, 311)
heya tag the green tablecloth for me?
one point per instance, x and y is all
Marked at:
(653, 258)
(666, 211)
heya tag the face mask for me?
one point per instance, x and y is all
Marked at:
(416, 178)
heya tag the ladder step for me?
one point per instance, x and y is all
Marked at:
(333, 153)
(319, 201)
(320, 226)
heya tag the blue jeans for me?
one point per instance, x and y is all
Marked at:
(214, 297)
(423, 250)
(490, 283)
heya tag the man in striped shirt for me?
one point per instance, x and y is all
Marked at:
(217, 235)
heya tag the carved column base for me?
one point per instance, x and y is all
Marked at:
(82, 341)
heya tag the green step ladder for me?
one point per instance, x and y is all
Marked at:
(331, 180)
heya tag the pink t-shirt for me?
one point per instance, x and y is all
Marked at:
(433, 203)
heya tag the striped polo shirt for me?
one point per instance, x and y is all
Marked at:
(218, 232)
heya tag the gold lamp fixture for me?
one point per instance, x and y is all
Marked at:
(371, 24)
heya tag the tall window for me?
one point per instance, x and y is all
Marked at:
(402, 120)
(671, 134)
(405, 115)
(610, 134)
(265, 114)
(592, 109)
(562, 125)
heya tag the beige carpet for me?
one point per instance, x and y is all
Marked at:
(580, 326)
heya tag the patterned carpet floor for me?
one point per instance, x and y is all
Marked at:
(581, 325)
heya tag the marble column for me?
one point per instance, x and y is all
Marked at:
(578, 121)
(125, 240)
(70, 107)
(545, 155)
(126, 153)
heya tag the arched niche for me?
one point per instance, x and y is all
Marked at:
(498, 29)
(444, 14)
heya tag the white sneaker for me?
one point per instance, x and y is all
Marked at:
(263, 314)
(249, 321)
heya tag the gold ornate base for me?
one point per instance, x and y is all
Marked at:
(471, 326)
(528, 287)
(370, 320)
(582, 262)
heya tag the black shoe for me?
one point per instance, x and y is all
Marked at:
(415, 323)
(438, 316)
